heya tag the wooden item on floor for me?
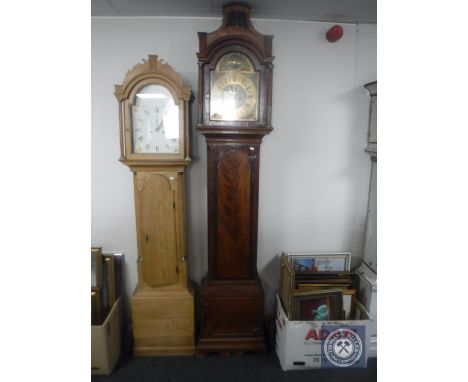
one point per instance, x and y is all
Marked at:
(234, 114)
(154, 116)
(96, 311)
(108, 282)
(96, 267)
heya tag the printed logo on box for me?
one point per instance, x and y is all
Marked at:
(315, 335)
(344, 346)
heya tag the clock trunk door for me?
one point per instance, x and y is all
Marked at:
(157, 228)
(232, 254)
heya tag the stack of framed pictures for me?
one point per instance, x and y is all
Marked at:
(107, 283)
(317, 286)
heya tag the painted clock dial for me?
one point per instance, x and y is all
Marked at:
(234, 89)
(155, 122)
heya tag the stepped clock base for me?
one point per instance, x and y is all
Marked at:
(228, 345)
(232, 318)
(163, 322)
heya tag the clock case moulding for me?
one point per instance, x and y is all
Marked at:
(232, 298)
(163, 303)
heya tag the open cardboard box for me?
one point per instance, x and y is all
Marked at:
(106, 341)
(299, 344)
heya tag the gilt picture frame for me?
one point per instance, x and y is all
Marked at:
(108, 272)
(349, 303)
(96, 267)
(320, 261)
(286, 285)
(318, 307)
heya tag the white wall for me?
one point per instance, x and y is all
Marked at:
(314, 173)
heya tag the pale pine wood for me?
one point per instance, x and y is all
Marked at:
(163, 322)
(155, 199)
(162, 306)
(169, 220)
(152, 71)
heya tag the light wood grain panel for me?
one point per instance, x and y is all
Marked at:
(162, 307)
(163, 346)
(164, 327)
(163, 322)
(158, 238)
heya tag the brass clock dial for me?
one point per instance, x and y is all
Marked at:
(234, 89)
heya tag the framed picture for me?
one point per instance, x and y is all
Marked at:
(349, 303)
(320, 262)
(325, 279)
(286, 285)
(119, 268)
(318, 306)
(108, 280)
(95, 306)
(96, 267)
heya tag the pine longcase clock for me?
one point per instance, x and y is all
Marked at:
(235, 77)
(154, 115)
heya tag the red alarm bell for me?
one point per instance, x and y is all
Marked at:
(334, 33)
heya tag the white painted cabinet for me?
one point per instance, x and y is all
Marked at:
(370, 248)
(367, 272)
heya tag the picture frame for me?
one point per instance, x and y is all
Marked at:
(96, 306)
(320, 261)
(119, 268)
(349, 303)
(316, 280)
(286, 285)
(96, 267)
(325, 306)
(108, 276)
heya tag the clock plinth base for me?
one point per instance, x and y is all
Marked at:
(232, 317)
(163, 322)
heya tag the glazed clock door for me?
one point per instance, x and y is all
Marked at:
(157, 227)
(155, 122)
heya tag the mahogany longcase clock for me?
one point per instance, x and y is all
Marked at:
(235, 82)
(154, 119)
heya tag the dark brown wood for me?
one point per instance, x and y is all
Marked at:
(232, 298)
(232, 318)
(236, 33)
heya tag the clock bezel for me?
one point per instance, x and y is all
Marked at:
(129, 121)
(152, 72)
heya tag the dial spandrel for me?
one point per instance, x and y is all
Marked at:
(155, 122)
(234, 89)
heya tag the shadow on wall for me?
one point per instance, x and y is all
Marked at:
(269, 277)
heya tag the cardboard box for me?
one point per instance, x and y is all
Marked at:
(299, 344)
(367, 288)
(106, 341)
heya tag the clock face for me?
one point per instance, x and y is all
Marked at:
(155, 122)
(234, 89)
